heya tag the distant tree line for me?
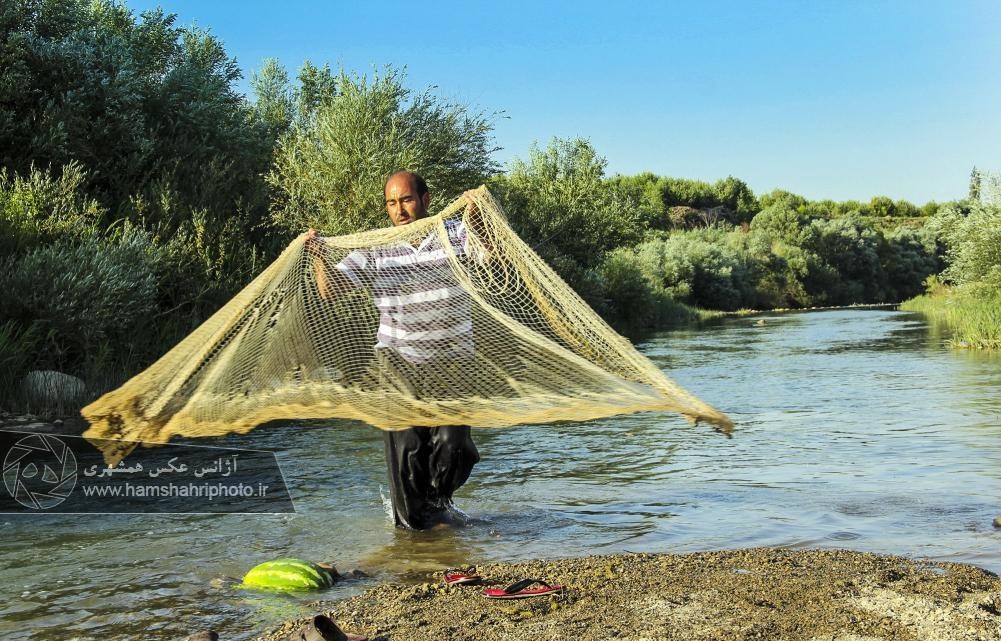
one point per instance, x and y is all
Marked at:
(636, 246)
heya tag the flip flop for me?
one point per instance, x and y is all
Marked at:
(518, 590)
(455, 576)
(322, 628)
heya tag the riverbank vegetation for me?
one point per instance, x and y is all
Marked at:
(140, 190)
(966, 296)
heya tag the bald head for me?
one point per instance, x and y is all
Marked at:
(417, 182)
(407, 197)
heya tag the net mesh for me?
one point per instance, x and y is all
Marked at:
(449, 320)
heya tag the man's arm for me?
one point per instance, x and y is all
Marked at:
(329, 280)
(475, 225)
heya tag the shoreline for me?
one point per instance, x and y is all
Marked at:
(766, 593)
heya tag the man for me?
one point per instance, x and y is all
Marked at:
(425, 338)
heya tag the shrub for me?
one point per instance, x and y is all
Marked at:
(973, 244)
(329, 172)
(907, 259)
(81, 297)
(560, 204)
(39, 208)
(851, 248)
(782, 221)
(702, 271)
(632, 301)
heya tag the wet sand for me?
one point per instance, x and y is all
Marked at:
(760, 593)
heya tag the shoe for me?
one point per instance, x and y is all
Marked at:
(455, 576)
(321, 628)
(520, 590)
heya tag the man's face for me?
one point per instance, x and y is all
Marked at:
(403, 204)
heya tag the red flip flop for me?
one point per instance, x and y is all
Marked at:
(520, 590)
(455, 576)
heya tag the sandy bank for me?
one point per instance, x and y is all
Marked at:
(744, 594)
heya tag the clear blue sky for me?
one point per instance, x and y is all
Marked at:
(829, 99)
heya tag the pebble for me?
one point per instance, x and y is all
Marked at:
(997, 522)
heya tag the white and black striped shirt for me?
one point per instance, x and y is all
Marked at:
(424, 314)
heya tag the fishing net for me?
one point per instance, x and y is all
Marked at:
(449, 320)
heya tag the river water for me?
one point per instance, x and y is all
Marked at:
(855, 428)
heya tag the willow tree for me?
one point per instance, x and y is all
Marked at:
(329, 169)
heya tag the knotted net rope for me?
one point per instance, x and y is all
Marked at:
(449, 320)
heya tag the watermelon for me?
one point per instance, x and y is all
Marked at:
(289, 574)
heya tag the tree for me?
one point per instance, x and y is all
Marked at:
(976, 180)
(881, 207)
(782, 220)
(329, 170)
(275, 104)
(735, 195)
(560, 204)
(148, 110)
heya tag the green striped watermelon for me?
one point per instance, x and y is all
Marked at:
(289, 574)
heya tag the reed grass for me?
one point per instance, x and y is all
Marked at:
(973, 314)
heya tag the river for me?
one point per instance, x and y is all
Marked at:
(855, 429)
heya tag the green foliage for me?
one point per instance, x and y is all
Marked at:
(786, 199)
(560, 204)
(81, 296)
(972, 240)
(317, 87)
(976, 182)
(275, 106)
(735, 195)
(135, 103)
(633, 302)
(38, 209)
(972, 315)
(330, 171)
(780, 220)
(19, 345)
(279, 105)
(852, 249)
(698, 268)
(907, 258)
(969, 234)
(658, 199)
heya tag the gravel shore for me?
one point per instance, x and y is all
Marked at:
(761, 593)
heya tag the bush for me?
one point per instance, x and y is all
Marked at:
(39, 209)
(329, 172)
(907, 260)
(781, 220)
(630, 300)
(701, 271)
(972, 240)
(133, 100)
(559, 203)
(852, 249)
(82, 297)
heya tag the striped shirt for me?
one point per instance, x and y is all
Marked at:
(424, 314)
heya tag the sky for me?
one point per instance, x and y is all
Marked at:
(824, 98)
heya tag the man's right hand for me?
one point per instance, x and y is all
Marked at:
(314, 246)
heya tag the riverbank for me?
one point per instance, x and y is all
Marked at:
(974, 317)
(754, 593)
(706, 314)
